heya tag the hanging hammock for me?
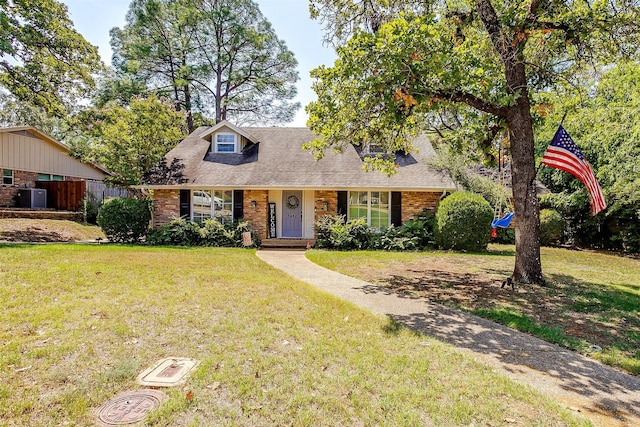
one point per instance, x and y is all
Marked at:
(501, 222)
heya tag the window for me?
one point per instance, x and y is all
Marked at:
(7, 177)
(373, 206)
(225, 143)
(49, 177)
(202, 208)
(216, 204)
(376, 148)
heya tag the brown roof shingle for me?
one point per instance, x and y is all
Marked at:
(279, 161)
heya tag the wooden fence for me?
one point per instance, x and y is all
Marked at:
(64, 195)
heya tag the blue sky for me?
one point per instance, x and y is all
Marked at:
(290, 19)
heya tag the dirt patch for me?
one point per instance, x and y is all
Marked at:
(46, 231)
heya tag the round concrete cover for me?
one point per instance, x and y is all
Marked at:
(129, 407)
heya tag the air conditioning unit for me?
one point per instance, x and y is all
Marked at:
(33, 198)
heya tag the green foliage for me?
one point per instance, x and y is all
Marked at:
(505, 236)
(551, 227)
(222, 58)
(178, 232)
(463, 222)
(459, 168)
(14, 112)
(90, 209)
(128, 141)
(45, 62)
(213, 233)
(605, 125)
(334, 233)
(468, 71)
(416, 234)
(125, 220)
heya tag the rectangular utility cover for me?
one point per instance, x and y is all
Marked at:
(168, 372)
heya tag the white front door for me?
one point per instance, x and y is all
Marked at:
(292, 214)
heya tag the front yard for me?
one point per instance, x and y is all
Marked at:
(80, 322)
(591, 303)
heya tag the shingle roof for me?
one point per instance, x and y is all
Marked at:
(277, 160)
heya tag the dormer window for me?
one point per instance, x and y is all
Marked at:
(225, 143)
(372, 149)
(376, 148)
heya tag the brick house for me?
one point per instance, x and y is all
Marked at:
(31, 159)
(262, 174)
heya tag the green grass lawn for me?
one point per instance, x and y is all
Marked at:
(80, 322)
(591, 303)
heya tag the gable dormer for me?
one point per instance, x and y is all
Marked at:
(226, 138)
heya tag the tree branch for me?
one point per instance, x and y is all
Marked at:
(473, 101)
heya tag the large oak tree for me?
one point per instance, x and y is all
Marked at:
(402, 64)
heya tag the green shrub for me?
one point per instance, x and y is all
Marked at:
(421, 229)
(178, 232)
(125, 220)
(324, 225)
(215, 233)
(463, 222)
(181, 232)
(413, 235)
(551, 227)
(334, 233)
(505, 236)
(392, 239)
(90, 208)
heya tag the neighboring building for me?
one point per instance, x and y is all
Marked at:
(264, 176)
(29, 158)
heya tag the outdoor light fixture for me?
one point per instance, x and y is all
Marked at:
(254, 204)
(325, 206)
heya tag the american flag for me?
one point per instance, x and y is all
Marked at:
(564, 154)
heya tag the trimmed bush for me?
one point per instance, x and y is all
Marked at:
(551, 227)
(463, 222)
(125, 220)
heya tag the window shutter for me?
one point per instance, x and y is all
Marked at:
(185, 204)
(342, 204)
(396, 208)
(238, 200)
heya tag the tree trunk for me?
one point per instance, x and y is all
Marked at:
(187, 107)
(528, 266)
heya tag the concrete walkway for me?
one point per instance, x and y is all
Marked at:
(603, 394)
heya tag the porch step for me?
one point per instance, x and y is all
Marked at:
(287, 243)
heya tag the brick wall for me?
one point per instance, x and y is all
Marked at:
(320, 198)
(256, 216)
(166, 206)
(413, 203)
(21, 179)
